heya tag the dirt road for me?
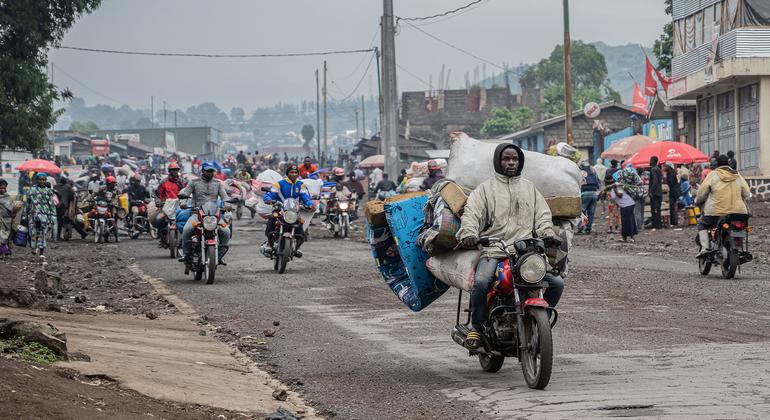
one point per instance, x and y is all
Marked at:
(638, 335)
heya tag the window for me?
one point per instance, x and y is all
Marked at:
(748, 127)
(726, 121)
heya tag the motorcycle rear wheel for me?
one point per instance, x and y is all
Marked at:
(491, 363)
(704, 266)
(537, 358)
(731, 264)
(286, 254)
(172, 243)
(211, 264)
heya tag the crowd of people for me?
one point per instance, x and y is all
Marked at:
(622, 192)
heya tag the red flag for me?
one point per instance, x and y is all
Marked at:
(650, 85)
(639, 103)
(665, 81)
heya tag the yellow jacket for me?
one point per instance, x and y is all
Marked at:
(723, 192)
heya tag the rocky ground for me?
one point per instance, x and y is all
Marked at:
(78, 276)
(32, 391)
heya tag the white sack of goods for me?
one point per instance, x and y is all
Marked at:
(266, 179)
(313, 187)
(455, 269)
(558, 179)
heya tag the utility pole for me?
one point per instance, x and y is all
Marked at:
(358, 130)
(318, 116)
(326, 122)
(363, 117)
(390, 94)
(567, 82)
(164, 115)
(380, 103)
(152, 111)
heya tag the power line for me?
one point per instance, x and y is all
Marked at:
(448, 12)
(161, 54)
(92, 90)
(358, 85)
(413, 75)
(454, 15)
(466, 52)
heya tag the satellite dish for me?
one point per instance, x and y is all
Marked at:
(592, 110)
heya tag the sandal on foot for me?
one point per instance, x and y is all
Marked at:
(473, 340)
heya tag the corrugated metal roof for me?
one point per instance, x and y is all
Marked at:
(683, 8)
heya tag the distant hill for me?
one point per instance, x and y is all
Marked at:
(622, 60)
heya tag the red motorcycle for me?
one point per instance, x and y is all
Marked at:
(517, 323)
(137, 221)
(102, 221)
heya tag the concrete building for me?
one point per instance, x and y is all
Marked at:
(588, 133)
(721, 59)
(411, 149)
(199, 141)
(433, 115)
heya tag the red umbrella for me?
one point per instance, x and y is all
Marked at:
(626, 147)
(668, 151)
(39, 165)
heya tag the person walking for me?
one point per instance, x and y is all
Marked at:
(41, 213)
(626, 203)
(673, 193)
(731, 162)
(656, 192)
(613, 214)
(8, 209)
(601, 170)
(588, 193)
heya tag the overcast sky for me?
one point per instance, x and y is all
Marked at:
(512, 31)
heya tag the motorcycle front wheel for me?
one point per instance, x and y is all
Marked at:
(491, 363)
(211, 264)
(172, 244)
(286, 253)
(537, 357)
(198, 266)
(704, 266)
(97, 232)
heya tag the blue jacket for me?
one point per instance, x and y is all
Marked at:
(285, 189)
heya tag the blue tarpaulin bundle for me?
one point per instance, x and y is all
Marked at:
(400, 261)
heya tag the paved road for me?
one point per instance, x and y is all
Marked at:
(653, 340)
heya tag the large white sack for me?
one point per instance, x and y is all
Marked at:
(455, 269)
(313, 186)
(470, 164)
(269, 177)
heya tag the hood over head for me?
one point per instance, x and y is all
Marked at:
(498, 156)
(727, 174)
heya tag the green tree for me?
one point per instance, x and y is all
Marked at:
(308, 132)
(664, 45)
(84, 127)
(503, 121)
(27, 30)
(590, 81)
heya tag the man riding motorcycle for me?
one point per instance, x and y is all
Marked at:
(722, 192)
(306, 168)
(289, 187)
(510, 208)
(202, 191)
(168, 189)
(109, 193)
(137, 193)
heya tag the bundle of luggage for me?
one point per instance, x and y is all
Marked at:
(413, 236)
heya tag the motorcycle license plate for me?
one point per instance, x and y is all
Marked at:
(738, 234)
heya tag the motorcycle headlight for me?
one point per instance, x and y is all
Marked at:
(343, 206)
(135, 210)
(290, 217)
(80, 218)
(210, 222)
(532, 268)
(101, 210)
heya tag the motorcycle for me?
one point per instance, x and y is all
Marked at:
(288, 230)
(137, 221)
(517, 323)
(171, 236)
(102, 221)
(339, 217)
(728, 244)
(205, 241)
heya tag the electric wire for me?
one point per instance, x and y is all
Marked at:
(448, 12)
(202, 55)
(361, 80)
(92, 90)
(413, 75)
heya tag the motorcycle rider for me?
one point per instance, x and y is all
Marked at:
(137, 193)
(434, 175)
(168, 189)
(202, 191)
(307, 168)
(289, 187)
(723, 192)
(521, 211)
(95, 182)
(109, 193)
(385, 188)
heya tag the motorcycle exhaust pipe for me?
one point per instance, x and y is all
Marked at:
(459, 333)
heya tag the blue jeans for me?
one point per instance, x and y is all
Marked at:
(187, 232)
(589, 208)
(485, 272)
